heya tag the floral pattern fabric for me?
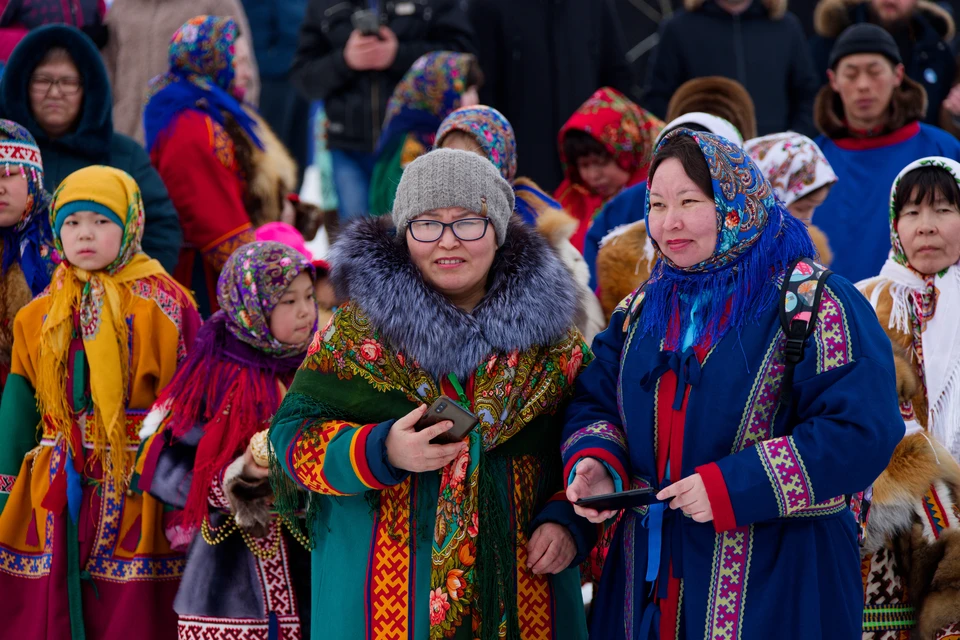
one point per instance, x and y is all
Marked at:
(250, 286)
(492, 131)
(792, 163)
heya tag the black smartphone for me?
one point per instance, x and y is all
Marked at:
(443, 409)
(366, 21)
(620, 500)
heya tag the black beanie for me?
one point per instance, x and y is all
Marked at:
(864, 38)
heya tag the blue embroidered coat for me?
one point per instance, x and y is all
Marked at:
(781, 558)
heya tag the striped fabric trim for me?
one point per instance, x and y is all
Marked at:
(889, 617)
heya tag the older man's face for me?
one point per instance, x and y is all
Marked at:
(891, 11)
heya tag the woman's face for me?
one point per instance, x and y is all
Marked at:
(56, 95)
(683, 219)
(456, 268)
(242, 68)
(804, 208)
(930, 234)
(13, 198)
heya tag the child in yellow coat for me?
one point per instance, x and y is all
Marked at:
(82, 554)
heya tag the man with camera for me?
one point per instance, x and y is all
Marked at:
(351, 55)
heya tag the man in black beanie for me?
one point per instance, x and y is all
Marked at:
(869, 115)
(921, 32)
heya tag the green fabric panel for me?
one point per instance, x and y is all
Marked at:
(19, 425)
(74, 595)
(79, 377)
(386, 177)
(355, 398)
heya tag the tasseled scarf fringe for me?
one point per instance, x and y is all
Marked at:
(731, 297)
(229, 388)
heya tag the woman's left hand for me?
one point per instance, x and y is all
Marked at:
(551, 549)
(690, 495)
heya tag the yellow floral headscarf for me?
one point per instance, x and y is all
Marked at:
(99, 299)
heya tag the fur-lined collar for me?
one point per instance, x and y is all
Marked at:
(909, 104)
(831, 17)
(775, 8)
(531, 299)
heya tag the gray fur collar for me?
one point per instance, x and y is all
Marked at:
(531, 298)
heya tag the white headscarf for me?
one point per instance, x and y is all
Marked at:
(793, 163)
(714, 124)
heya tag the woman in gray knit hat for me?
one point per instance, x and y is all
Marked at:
(417, 535)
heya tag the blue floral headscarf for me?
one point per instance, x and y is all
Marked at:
(757, 239)
(201, 76)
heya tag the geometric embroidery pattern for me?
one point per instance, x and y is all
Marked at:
(6, 483)
(762, 404)
(388, 615)
(787, 474)
(728, 584)
(602, 430)
(832, 335)
(309, 452)
(534, 593)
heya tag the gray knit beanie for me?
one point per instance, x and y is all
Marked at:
(453, 178)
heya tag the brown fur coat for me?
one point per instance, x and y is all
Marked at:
(929, 567)
(14, 295)
(831, 17)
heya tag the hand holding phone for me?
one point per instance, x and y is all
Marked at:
(411, 450)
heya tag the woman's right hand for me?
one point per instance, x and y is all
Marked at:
(411, 450)
(591, 479)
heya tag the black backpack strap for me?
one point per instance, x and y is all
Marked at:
(800, 296)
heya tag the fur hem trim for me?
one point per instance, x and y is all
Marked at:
(831, 17)
(531, 298)
(909, 104)
(249, 500)
(15, 294)
(718, 96)
(820, 241)
(775, 8)
(917, 463)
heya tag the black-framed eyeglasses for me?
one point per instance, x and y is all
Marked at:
(467, 229)
(68, 86)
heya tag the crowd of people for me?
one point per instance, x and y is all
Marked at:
(726, 306)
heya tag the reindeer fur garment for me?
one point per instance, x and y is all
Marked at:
(531, 298)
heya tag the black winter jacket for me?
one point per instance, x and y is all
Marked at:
(541, 60)
(356, 101)
(924, 46)
(769, 57)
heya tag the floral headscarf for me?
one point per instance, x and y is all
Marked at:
(97, 297)
(492, 131)
(250, 286)
(792, 163)
(428, 93)
(201, 76)
(29, 242)
(627, 131)
(756, 241)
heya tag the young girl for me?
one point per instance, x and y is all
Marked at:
(436, 84)
(801, 177)
(28, 257)
(248, 571)
(81, 554)
(912, 544)
(605, 146)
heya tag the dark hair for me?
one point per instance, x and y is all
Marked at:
(693, 126)
(687, 151)
(925, 185)
(474, 75)
(580, 144)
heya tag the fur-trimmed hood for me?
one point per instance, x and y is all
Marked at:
(775, 8)
(531, 298)
(909, 104)
(718, 96)
(831, 17)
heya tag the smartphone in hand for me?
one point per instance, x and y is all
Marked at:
(444, 409)
(620, 500)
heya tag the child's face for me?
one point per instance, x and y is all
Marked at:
(930, 234)
(90, 240)
(292, 320)
(602, 175)
(13, 199)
